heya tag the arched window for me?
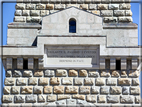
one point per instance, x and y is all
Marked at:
(72, 26)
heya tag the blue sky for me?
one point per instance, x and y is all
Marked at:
(9, 10)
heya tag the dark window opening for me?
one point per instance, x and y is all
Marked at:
(25, 64)
(72, 26)
(118, 65)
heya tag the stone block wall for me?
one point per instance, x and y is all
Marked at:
(116, 11)
(62, 87)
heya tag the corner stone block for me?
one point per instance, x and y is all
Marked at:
(19, 63)
(30, 63)
(123, 63)
(8, 73)
(102, 63)
(7, 98)
(112, 63)
(134, 63)
(20, 6)
(40, 63)
(9, 63)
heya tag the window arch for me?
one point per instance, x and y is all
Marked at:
(72, 25)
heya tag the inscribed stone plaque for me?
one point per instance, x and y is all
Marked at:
(71, 56)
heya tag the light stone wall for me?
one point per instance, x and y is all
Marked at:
(116, 11)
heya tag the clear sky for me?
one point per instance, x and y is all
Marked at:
(9, 10)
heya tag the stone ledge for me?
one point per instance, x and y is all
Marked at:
(24, 25)
(120, 26)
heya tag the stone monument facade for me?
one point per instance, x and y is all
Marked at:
(72, 53)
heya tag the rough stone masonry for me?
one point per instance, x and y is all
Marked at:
(71, 75)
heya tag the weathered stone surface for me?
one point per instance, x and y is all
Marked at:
(20, 6)
(41, 98)
(78, 81)
(43, 81)
(93, 74)
(128, 13)
(84, 103)
(26, 105)
(123, 73)
(100, 81)
(17, 73)
(47, 89)
(27, 73)
(135, 81)
(73, 73)
(134, 74)
(61, 72)
(40, 6)
(113, 6)
(49, 73)
(7, 98)
(9, 81)
(89, 81)
(35, 12)
(14, 105)
(61, 103)
(38, 89)
(85, 89)
(15, 90)
(95, 89)
(18, 12)
(38, 73)
(137, 99)
(59, 89)
(70, 5)
(6, 89)
(50, 6)
(110, 19)
(31, 98)
(102, 6)
(26, 12)
(125, 19)
(51, 98)
(101, 99)
(115, 73)
(92, 6)
(124, 81)
(111, 81)
(21, 81)
(105, 73)
(135, 90)
(125, 90)
(19, 19)
(8, 73)
(125, 6)
(78, 96)
(59, 6)
(71, 89)
(71, 102)
(60, 97)
(67, 81)
(19, 99)
(104, 89)
(30, 6)
(26, 90)
(33, 81)
(97, 12)
(83, 6)
(126, 99)
(119, 12)
(55, 80)
(113, 99)
(83, 73)
(115, 90)
(107, 13)
(91, 98)
(44, 12)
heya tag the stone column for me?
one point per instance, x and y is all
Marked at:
(4, 63)
(40, 63)
(102, 63)
(30, 63)
(123, 63)
(9, 63)
(112, 63)
(19, 63)
(134, 63)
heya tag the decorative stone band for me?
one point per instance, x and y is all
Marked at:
(111, 12)
(67, 86)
